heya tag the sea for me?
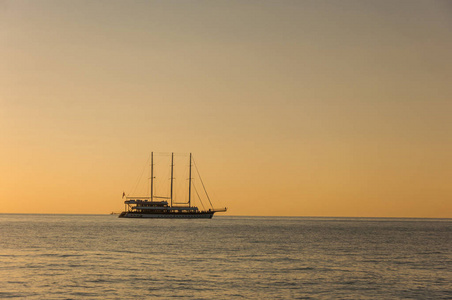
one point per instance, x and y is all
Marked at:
(105, 257)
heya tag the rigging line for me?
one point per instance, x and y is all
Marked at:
(168, 154)
(202, 204)
(180, 154)
(139, 177)
(199, 175)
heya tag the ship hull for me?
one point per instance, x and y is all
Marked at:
(199, 215)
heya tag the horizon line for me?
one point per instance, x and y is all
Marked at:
(255, 216)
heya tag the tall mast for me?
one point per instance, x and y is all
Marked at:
(152, 176)
(189, 184)
(172, 165)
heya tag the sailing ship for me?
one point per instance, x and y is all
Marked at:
(153, 206)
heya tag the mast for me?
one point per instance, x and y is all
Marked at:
(172, 165)
(189, 184)
(152, 176)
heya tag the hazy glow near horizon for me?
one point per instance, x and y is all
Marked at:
(308, 108)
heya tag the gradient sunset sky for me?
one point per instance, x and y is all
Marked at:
(291, 108)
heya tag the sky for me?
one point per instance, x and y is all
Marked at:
(290, 108)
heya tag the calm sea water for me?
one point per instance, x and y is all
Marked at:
(103, 257)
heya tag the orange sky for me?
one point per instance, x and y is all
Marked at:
(291, 108)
